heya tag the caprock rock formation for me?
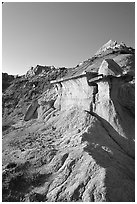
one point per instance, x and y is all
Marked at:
(75, 141)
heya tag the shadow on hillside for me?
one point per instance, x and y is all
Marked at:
(109, 153)
(18, 180)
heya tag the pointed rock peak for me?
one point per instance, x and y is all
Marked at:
(108, 45)
(110, 67)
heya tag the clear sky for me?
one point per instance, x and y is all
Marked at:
(61, 34)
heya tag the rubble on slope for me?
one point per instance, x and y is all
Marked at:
(80, 145)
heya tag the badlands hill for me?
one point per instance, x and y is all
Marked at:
(68, 134)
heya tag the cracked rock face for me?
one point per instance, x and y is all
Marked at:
(80, 147)
(75, 93)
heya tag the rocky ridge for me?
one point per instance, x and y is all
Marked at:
(73, 139)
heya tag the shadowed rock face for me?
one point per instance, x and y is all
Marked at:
(112, 128)
(107, 98)
(32, 111)
(80, 147)
(110, 67)
(6, 81)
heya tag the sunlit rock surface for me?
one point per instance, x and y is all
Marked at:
(72, 140)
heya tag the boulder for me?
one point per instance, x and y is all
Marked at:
(110, 67)
(32, 111)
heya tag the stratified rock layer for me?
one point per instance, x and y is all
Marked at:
(80, 145)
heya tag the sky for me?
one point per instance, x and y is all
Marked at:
(61, 33)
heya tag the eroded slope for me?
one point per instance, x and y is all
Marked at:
(80, 145)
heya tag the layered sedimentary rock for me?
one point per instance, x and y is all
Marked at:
(80, 145)
(111, 129)
(74, 93)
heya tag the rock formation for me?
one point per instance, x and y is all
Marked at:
(76, 141)
(39, 69)
(113, 46)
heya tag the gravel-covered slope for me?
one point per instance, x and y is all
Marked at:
(73, 141)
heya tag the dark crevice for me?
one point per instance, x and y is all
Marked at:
(78, 192)
(58, 194)
(65, 156)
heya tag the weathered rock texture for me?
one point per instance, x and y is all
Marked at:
(80, 146)
(74, 93)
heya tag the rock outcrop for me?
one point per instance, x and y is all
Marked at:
(32, 111)
(113, 46)
(43, 71)
(77, 140)
(39, 69)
